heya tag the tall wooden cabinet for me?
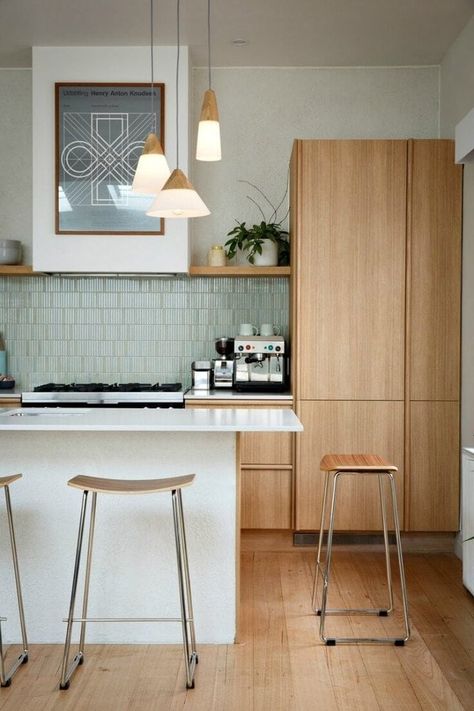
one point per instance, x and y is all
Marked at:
(375, 322)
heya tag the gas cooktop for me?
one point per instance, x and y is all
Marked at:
(105, 395)
(107, 388)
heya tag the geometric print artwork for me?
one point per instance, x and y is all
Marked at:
(100, 132)
(100, 150)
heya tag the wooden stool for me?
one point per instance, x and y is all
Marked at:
(353, 464)
(6, 677)
(126, 486)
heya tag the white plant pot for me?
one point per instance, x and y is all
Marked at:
(269, 256)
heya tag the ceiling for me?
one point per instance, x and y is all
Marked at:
(278, 33)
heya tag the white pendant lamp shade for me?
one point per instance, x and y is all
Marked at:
(178, 199)
(152, 169)
(208, 146)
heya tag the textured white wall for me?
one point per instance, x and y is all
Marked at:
(262, 110)
(15, 157)
(457, 98)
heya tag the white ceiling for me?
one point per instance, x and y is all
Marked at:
(279, 33)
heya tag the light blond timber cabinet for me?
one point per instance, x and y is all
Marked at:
(266, 471)
(375, 230)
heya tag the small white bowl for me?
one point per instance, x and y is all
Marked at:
(10, 251)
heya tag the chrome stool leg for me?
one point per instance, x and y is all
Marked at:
(387, 549)
(67, 672)
(190, 656)
(403, 584)
(85, 599)
(6, 677)
(186, 576)
(327, 572)
(317, 571)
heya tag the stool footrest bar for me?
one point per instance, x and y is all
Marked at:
(331, 642)
(127, 619)
(355, 611)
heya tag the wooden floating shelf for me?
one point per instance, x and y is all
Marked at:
(17, 270)
(240, 271)
(25, 270)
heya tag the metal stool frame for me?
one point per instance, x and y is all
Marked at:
(323, 568)
(6, 676)
(186, 618)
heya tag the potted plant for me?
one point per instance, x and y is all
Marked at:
(264, 244)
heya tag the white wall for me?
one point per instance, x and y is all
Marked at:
(15, 157)
(262, 110)
(457, 98)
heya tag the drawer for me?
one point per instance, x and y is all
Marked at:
(266, 448)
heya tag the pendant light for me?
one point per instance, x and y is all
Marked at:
(152, 170)
(177, 198)
(208, 146)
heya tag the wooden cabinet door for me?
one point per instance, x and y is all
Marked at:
(266, 448)
(349, 281)
(433, 484)
(266, 496)
(346, 427)
(435, 271)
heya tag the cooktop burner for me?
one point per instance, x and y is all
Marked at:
(107, 388)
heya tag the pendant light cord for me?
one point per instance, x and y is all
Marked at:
(177, 78)
(153, 126)
(209, 40)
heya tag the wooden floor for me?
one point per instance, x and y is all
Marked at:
(280, 664)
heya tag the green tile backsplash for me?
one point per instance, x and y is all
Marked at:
(125, 329)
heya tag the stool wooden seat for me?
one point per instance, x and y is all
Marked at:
(7, 480)
(130, 486)
(355, 463)
(98, 485)
(336, 466)
(22, 658)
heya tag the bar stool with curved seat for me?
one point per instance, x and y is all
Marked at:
(98, 485)
(339, 465)
(6, 677)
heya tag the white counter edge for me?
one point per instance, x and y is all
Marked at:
(148, 420)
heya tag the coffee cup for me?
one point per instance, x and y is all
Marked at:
(247, 329)
(268, 329)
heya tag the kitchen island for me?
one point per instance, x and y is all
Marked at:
(134, 568)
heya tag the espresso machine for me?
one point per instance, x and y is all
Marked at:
(261, 364)
(223, 367)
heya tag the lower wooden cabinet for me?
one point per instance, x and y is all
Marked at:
(346, 427)
(266, 498)
(266, 448)
(266, 469)
(433, 484)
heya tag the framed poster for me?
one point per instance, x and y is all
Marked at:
(100, 132)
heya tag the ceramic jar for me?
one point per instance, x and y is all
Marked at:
(216, 256)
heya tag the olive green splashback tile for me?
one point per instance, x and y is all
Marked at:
(124, 328)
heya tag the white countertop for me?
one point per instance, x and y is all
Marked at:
(6, 394)
(233, 395)
(150, 420)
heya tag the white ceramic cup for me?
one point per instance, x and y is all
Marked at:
(268, 329)
(247, 329)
